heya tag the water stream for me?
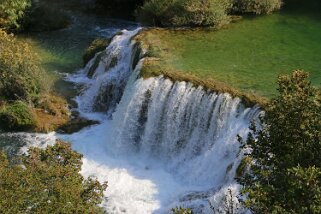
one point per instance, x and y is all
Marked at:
(160, 144)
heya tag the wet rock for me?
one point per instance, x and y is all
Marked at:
(75, 125)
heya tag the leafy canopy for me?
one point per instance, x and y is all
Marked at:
(285, 174)
(11, 11)
(20, 73)
(48, 181)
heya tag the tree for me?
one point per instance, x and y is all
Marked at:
(20, 73)
(11, 11)
(284, 176)
(48, 181)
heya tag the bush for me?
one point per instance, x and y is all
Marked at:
(48, 181)
(211, 13)
(11, 11)
(16, 116)
(19, 71)
(256, 6)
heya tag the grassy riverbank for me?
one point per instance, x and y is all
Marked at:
(246, 56)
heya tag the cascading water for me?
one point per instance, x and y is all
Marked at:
(106, 82)
(162, 144)
(167, 144)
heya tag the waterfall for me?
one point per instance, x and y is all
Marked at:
(191, 131)
(107, 74)
(180, 137)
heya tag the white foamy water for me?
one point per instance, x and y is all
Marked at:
(167, 144)
(113, 67)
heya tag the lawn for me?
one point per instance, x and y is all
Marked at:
(247, 55)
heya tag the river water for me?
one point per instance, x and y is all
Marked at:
(160, 144)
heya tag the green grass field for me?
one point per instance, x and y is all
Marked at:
(247, 55)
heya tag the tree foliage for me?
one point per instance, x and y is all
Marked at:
(213, 13)
(19, 70)
(284, 176)
(256, 6)
(48, 181)
(11, 11)
(185, 12)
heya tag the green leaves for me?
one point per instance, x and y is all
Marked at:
(16, 116)
(48, 181)
(284, 176)
(11, 11)
(19, 70)
(256, 6)
(211, 13)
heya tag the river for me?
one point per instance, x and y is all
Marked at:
(159, 144)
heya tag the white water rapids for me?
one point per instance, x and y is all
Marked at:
(160, 144)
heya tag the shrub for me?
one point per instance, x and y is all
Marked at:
(256, 6)
(199, 13)
(177, 13)
(48, 181)
(16, 116)
(11, 11)
(19, 71)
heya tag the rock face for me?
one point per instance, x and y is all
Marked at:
(96, 46)
(76, 125)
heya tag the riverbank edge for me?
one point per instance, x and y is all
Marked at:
(152, 68)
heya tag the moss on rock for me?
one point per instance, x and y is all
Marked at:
(96, 46)
(76, 125)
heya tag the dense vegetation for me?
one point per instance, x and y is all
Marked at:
(256, 6)
(19, 83)
(11, 12)
(46, 15)
(20, 74)
(26, 102)
(18, 15)
(284, 175)
(211, 13)
(185, 12)
(48, 181)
